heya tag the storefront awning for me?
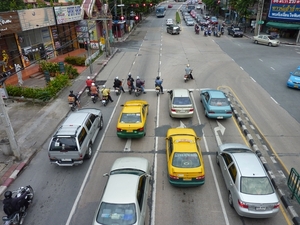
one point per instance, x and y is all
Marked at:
(291, 26)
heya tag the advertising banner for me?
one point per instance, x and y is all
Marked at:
(36, 18)
(9, 23)
(285, 10)
(66, 14)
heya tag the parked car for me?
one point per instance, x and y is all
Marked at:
(266, 40)
(215, 104)
(213, 20)
(74, 139)
(184, 158)
(190, 22)
(180, 103)
(132, 121)
(124, 200)
(235, 31)
(294, 79)
(250, 190)
(173, 29)
(169, 22)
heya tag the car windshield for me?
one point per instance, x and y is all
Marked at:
(130, 118)
(122, 214)
(186, 160)
(63, 144)
(256, 186)
(297, 73)
(128, 171)
(237, 29)
(219, 102)
(271, 37)
(182, 101)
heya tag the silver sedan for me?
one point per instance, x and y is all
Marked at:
(266, 40)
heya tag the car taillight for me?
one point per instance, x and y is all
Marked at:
(200, 177)
(191, 110)
(141, 129)
(228, 112)
(174, 177)
(119, 129)
(276, 205)
(173, 110)
(211, 112)
(243, 204)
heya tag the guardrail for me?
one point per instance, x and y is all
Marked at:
(294, 184)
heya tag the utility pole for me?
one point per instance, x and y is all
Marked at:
(9, 130)
(107, 44)
(260, 9)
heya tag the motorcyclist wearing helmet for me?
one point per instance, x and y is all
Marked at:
(73, 98)
(130, 82)
(158, 83)
(188, 71)
(140, 84)
(13, 205)
(94, 90)
(89, 82)
(118, 84)
(106, 93)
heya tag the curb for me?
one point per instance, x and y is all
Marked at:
(283, 198)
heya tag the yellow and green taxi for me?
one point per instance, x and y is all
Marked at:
(184, 158)
(132, 120)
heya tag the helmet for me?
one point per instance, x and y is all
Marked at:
(117, 78)
(103, 85)
(188, 65)
(8, 194)
(137, 77)
(71, 92)
(157, 78)
(93, 84)
(129, 75)
(88, 78)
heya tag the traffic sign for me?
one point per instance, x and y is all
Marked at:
(116, 21)
(122, 5)
(261, 22)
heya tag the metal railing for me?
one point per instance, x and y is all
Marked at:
(294, 184)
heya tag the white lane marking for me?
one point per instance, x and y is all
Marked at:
(253, 79)
(212, 169)
(281, 173)
(155, 167)
(274, 100)
(272, 68)
(241, 68)
(261, 60)
(127, 147)
(90, 167)
(273, 159)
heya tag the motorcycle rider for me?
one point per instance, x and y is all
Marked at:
(118, 84)
(158, 83)
(13, 205)
(94, 90)
(73, 98)
(130, 82)
(89, 82)
(106, 93)
(197, 28)
(188, 71)
(140, 84)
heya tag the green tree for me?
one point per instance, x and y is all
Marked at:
(8, 5)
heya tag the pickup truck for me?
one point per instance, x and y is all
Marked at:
(235, 31)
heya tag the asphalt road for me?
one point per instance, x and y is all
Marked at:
(71, 195)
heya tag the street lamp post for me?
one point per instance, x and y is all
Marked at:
(107, 45)
(260, 9)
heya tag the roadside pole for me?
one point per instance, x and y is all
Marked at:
(9, 130)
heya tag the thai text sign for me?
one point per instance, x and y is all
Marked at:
(285, 9)
(66, 14)
(9, 23)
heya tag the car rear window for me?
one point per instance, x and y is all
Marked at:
(130, 118)
(256, 186)
(186, 160)
(219, 102)
(63, 144)
(124, 214)
(182, 101)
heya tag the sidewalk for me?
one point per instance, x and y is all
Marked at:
(33, 124)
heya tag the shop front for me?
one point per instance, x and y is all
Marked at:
(9, 55)
(35, 39)
(65, 32)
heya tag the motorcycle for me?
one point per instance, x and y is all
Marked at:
(205, 33)
(88, 91)
(157, 90)
(104, 100)
(18, 217)
(72, 104)
(197, 31)
(130, 89)
(187, 77)
(138, 91)
(218, 34)
(209, 32)
(118, 91)
(94, 98)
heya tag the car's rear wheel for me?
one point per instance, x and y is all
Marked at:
(256, 42)
(230, 200)
(217, 159)
(270, 44)
(101, 123)
(89, 152)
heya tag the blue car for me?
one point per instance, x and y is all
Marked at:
(216, 104)
(294, 80)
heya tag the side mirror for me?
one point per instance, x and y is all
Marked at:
(105, 175)
(121, 105)
(291, 73)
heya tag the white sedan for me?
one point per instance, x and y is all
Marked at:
(266, 40)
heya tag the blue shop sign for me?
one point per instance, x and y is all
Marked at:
(285, 10)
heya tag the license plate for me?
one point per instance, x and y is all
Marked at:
(86, 90)
(129, 131)
(70, 105)
(260, 208)
(92, 96)
(182, 111)
(186, 179)
(295, 86)
(66, 160)
(220, 117)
